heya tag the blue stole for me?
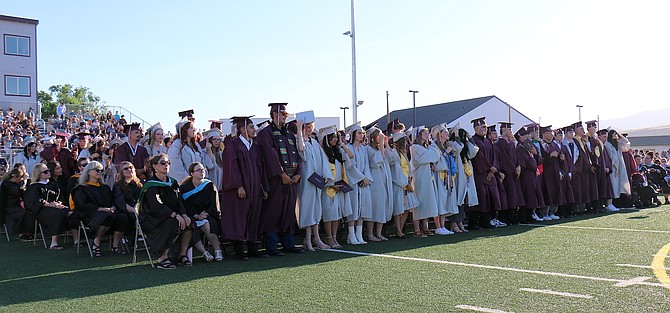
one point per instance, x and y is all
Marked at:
(200, 187)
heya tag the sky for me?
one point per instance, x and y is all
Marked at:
(226, 58)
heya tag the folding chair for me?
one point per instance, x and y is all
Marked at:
(39, 226)
(5, 230)
(83, 228)
(143, 239)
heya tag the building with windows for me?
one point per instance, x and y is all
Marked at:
(18, 63)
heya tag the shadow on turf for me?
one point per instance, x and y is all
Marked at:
(48, 275)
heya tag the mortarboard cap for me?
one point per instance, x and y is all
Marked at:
(624, 134)
(278, 106)
(353, 127)
(544, 129)
(154, 127)
(325, 131)
(398, 136)
(187, 114)
(241, 120)
(454, 129)
(213, 133)
(82, 135)
(492, 129)
(478, 121)
(577, 125)
(521, 132)
(591, 124)
(505, 125)
(532, 127)
(392, 125)
(558, 131)
(130, 127)
(375, 125)
(569, 128)
(437, 129)
(117, 141)
(214, 124)
(62, 135)
(603, 131)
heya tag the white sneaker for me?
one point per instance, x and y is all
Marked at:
(554, 217)
(499, 223)
(443, 231)
(611, 208)
(547, 218)
(536, 218)
(351, 239)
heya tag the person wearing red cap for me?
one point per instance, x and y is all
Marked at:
(485, 172)
(505, 149)
(281, 171)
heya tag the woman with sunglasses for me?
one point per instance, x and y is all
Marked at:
(201, 199)
(94, 205)
(126, 192)
(41, 199)
(163, 217)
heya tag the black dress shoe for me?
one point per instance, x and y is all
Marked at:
(241, 256)
(473, 227)
(294, 250)
(258, 255)
(275, 253)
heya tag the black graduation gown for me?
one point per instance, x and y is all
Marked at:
(53, 220)
(158, 203)
(127, 195)
(206, 200)
(89, 198)
(17, 219)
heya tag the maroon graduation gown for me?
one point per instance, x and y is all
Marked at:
(507, 159)
(567, 167)
(278, 210)
(593, 177)
(551, 175)
(124, 153)
(605, 190)
(241, 168)
(530, 181)
(487, 191)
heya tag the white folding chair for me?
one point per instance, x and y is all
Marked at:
(82, 228)
(39, 226)
(139, 233)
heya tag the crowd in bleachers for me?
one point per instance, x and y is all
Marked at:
(263, 182)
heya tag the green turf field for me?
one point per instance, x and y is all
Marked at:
(603, 261)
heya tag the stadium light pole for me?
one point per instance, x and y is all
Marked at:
(579, 108)
(344, 115)
(414, 105)
(352, 33)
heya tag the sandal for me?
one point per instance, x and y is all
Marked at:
(95, 250)
(183, 260)
(56, 247)
(165, 264)
(118, 250)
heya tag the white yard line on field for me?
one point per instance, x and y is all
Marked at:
(640, 266)
(479, 309)
(601, 228)
(557, 293)
(617, 282)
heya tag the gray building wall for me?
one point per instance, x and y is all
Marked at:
(15, 65)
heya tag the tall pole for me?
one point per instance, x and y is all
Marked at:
(344, 115)
(388, 111)
(414, 106)
(579, 107)
(354, 100)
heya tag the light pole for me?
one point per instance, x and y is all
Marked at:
(352, 33)
(579, 107)
(344, 113)
(414, 105)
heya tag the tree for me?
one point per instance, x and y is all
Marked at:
(69, 95)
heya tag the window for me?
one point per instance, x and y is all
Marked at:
(17, 86)
(17, 45)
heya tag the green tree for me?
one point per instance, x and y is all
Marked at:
(78, 96)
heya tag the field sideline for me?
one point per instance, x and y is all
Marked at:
(597, 263)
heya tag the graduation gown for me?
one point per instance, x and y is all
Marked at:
(605, 190)
(443, 180)
(308, 206)
(125, 153)
(357, 170)
(336, 205)
(619, 174)
(54, 221)
(507, 159)
(567, 167)
(424, 188)
(241, 168)
(278, 210)
(465, 180)
(582, 174)
(17, 219)
(551, 175)
(67, 162)
(381, 189)
(157, 204)
(594, 188)
(529, 178)
(400, 173)
(204, 198)
(155, 151)
(487, 191)
(89, 198)
(124, 196)
(181, 157)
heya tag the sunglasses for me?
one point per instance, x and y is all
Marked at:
(164, 162)
(45, 172)
(83, 164)
(99, 170)
(128, 168)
